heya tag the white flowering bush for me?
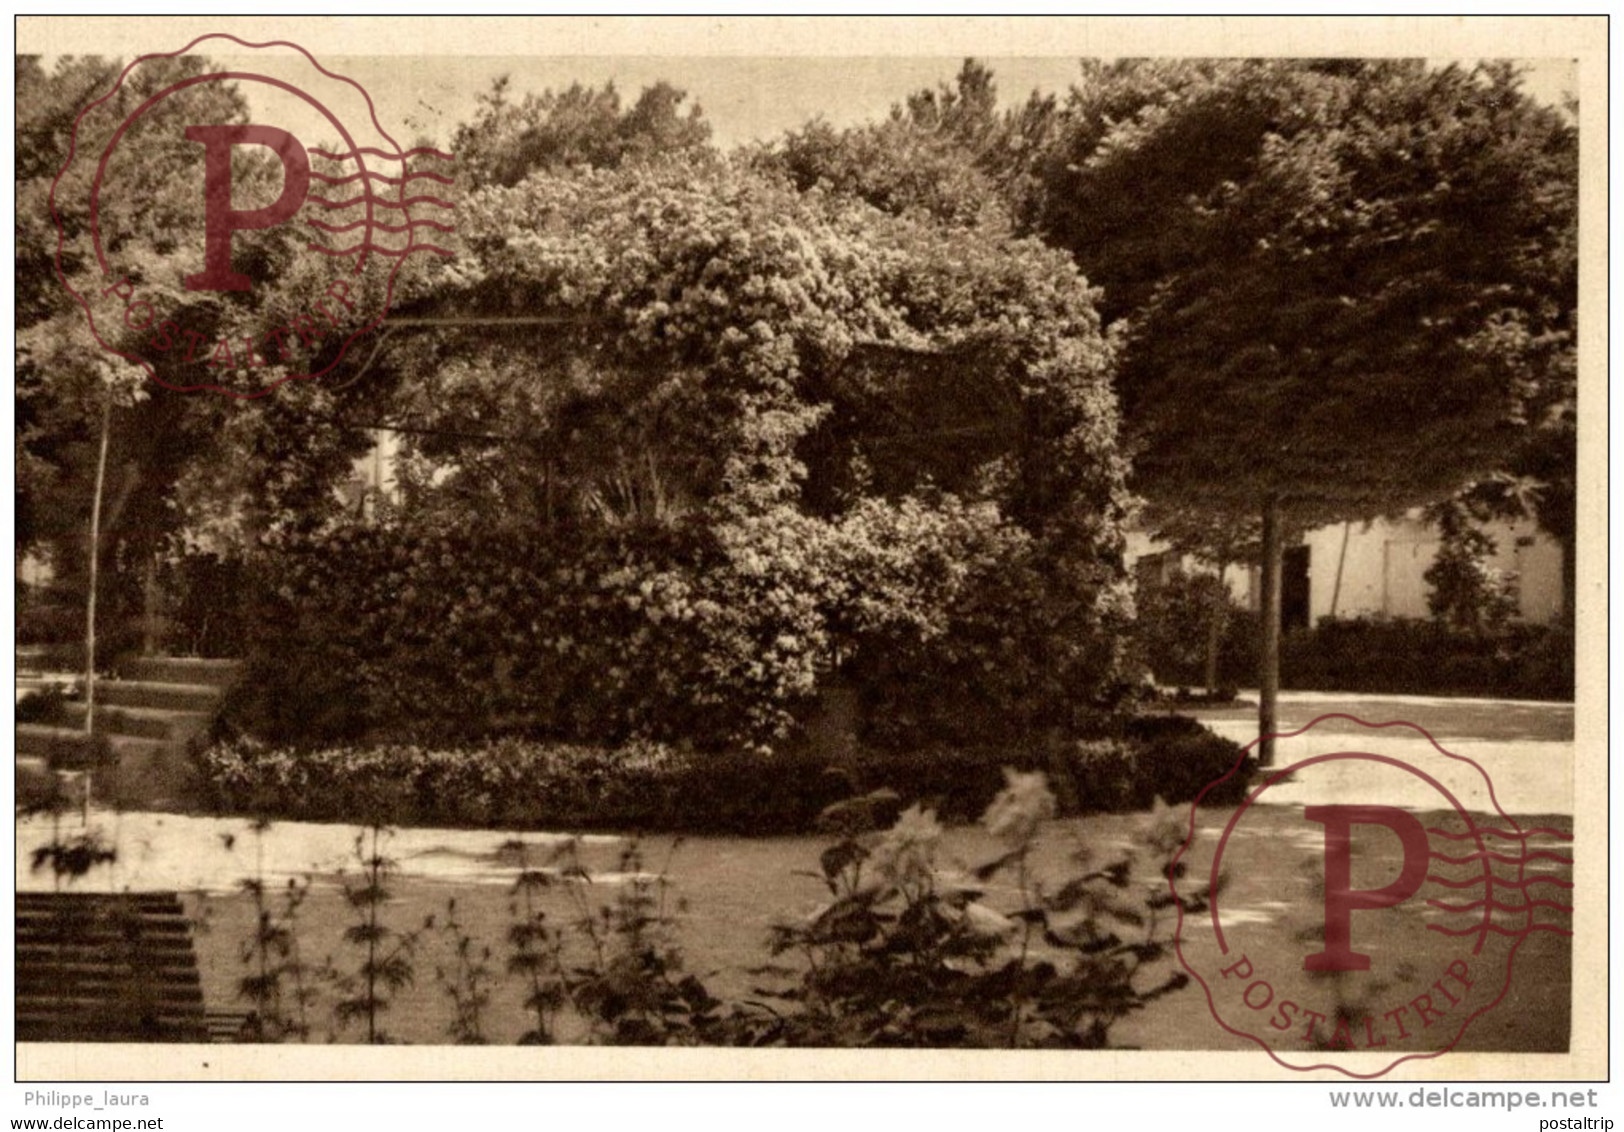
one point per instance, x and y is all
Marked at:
(715, 485)
(912, 951)
(517, 784)
(522, 783)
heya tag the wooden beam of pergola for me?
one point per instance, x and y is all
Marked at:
(589, 320)
(493, 320)
(391, 323)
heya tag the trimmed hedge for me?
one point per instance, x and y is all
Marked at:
(1371, 655)
(700, 633)
(512, 783)
(1396, 655)
(1428, 658)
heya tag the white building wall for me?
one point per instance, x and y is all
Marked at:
(1383, 567)
(1378, 569)
(1380, 564)
(373, 475)
(1537, 560)
(1241, 579)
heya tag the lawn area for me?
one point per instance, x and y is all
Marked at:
(731, 890)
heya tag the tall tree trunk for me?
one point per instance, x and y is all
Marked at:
(94, 568)
(151, 608)
(1570, 578)
(1269, 658)
(1215, 629)
(93, 571)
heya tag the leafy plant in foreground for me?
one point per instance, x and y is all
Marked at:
(631, 987)
(909, 952)
(466, 981)
(386, 964)
(534, 947)
(277, 981)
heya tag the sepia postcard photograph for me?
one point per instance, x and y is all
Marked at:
(835, 548)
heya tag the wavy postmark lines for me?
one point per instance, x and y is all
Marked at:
(1509, 906)
(367, 198)
(208, 244)
(1373, 900)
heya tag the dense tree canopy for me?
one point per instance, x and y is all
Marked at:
(64, 379)
(1348, 286)
(948, 153)
(820, 408)
(186, 473)
(579, 126)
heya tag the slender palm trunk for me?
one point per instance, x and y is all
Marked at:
(95, 566)
(94, 575)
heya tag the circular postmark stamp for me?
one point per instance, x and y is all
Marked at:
(1370, 901)
(237, 221)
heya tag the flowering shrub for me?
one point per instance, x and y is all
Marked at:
(515, 783)
(911, 952)
(660, 526)
(763, 308)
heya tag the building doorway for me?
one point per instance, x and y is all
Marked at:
(1294, 603)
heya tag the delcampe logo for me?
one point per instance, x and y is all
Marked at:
(227, 254)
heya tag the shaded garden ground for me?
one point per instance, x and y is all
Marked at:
(1444, 717)
(731, 891)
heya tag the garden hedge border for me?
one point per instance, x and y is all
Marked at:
(521, 784)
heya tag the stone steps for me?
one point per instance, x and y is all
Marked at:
(65, 747)
(147, 722)
(159, 694)
(106, 968)
(147, 716)
(181, 670)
